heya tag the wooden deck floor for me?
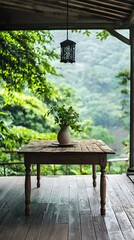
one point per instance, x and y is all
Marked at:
(67, 208)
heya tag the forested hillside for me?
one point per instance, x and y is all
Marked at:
(33, 81)
(91, 83)
(93, 77)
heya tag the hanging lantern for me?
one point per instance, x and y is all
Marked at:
(67, 51)
(67, 47)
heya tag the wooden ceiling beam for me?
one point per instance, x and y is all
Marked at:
(104, 6)
(87, 10)
(121, 2)
(86, 6)
(59, 10)
(131, 21)
(61, 26)
(89, 14)
(111, 4)
(62, 5)
(95, 11)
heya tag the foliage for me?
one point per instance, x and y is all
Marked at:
(13, 140)
(93, 76)
(86, 126)
(19, 136)
(25, 62)
(66, 116)
(67, 95)
(27, 111)
(126, 146)
(102, 35)
(94, 105)
(98, 132)
(117, 167)
(91, 131)
(3, 130)
(124, 89)
(26, 65)
(50, 169)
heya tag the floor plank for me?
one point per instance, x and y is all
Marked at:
(87, 227)
(67, 208)
(74, 216)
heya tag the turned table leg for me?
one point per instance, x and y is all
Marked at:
(27, 189)
(103, 190)
(38, 175)
(94, 175)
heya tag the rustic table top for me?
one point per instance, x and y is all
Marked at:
(90, 146)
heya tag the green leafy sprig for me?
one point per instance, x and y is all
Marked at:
(66, 116)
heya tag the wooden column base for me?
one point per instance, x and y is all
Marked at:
(130, 174)
(130, 171)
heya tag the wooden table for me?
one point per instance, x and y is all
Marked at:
(92, 152)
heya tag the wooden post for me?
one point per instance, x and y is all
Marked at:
(131, 163)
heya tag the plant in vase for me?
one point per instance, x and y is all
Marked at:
(65, 117)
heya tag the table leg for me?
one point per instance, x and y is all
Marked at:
(94, 175)
(103, 190)
(27, 189)
(38, 175)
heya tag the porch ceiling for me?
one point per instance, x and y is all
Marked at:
(51, 14)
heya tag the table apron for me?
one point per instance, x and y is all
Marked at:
(63, 158)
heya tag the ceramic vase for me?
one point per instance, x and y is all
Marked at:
(64, 136)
